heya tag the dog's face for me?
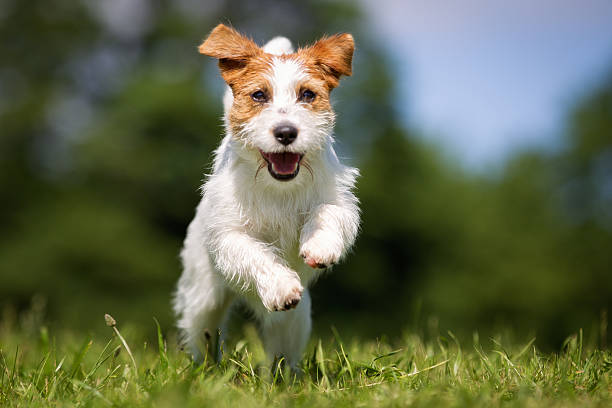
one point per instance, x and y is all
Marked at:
(281, 110)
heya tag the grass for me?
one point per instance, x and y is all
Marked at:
(38, 369)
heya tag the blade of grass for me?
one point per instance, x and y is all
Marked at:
(41, 369)
(113, 324)
(413, 373)
(387, 355)
(524, 349)
(3, 368)
(163, 356)
(343, 353)
(459, 359)
(101, 359)
(320, 362)
(93, 391)
(14, 370)
(78, 358)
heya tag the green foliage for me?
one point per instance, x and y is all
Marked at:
(106, 136)
(76, 370)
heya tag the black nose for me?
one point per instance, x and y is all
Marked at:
(285, 133)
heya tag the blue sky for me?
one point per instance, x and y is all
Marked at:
(485, 78)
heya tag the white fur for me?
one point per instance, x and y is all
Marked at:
(276, 46)
(251, 235)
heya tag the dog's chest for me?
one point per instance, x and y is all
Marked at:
(275, 222)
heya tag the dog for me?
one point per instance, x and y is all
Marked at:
(278, 208)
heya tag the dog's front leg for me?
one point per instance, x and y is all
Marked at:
(248, 263)
(328, 233)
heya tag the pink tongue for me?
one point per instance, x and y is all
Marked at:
(284, 163)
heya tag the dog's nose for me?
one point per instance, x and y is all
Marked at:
(285, 133)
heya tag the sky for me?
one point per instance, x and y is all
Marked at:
(486, 78)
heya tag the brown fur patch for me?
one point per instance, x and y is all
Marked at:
(243, 66)
(244, 83)
(318, 85)
(331, 56)
(232, 49)
(225, 42)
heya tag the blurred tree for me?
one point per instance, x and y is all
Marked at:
(585, 188)
(108, 117)
(587, 162)
(107, 134)
(529, 250)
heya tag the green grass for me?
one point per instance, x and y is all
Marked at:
(38, 368)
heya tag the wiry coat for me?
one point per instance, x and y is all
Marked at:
(255, 237)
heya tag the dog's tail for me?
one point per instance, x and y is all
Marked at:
(276, 46)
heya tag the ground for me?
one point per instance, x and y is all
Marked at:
(40, 368)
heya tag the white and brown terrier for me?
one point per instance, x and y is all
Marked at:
(264, 236)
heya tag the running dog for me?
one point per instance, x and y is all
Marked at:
(278, 208)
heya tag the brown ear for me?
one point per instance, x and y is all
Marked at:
(334, 56)
(232, 49)
(225, 42)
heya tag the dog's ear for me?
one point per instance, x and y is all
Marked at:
(333, 56)
(232, 49)
(224, 42)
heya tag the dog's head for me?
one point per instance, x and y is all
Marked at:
(281, 112)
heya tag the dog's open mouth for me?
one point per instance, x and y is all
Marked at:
(283, 166)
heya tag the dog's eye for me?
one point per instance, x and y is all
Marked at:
(307, 96)
(259, 96)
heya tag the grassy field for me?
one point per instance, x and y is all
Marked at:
(39, 368)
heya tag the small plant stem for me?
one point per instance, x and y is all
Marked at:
(113, 324)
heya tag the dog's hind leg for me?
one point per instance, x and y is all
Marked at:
(203, 329)
(286, 333)
(202, 303)
(206, 332)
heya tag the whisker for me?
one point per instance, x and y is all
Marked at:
(307, 166)
(262, 164)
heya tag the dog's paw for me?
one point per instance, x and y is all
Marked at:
(283, 293)
(319, 254)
